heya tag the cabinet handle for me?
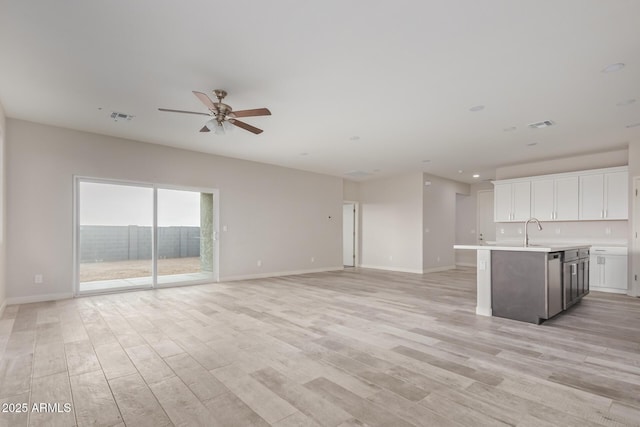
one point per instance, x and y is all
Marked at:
(574, 269)
(605, 213)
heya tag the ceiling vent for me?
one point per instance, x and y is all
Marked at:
(357, 174)
(120, 116)
(541, 125)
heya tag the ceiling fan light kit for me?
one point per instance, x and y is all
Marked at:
(224, 118)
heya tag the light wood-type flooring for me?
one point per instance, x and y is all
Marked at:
(349, 348)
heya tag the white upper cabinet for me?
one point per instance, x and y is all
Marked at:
(587, 195)
(543, 199)
(616, 195)
(502, 209)
(555, 199)
(604, 196)
(566, 199)
(521, 201)
(512, 201)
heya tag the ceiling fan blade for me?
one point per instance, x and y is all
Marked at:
(245, 126)
(251, 113)
(182, 111)
(205, 129)
(205, 100)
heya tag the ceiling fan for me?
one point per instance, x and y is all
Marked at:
(224, 118)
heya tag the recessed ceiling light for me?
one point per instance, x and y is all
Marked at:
(531, 144)
(354, 138)
(376, 170)
(460, 171)
(509, 129)
(304, 154)
(426, 161)
(477, 108)
(475, 175)
(613, 68)
(634, 125)
(626, 102)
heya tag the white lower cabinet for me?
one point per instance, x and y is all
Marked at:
(608, 269)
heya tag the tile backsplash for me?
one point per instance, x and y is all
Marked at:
(569, 231)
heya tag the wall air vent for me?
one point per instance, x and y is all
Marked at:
(541, 125)
(120, 116)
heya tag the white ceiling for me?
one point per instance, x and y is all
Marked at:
(399, 75)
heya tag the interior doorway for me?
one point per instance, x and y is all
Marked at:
(634, 259)
(349, 234)
(486, 229)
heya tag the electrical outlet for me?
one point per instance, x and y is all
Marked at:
(313, 259)
(519, 230)
(557, 231)
(502, 231)
(390, 257)
(259, 263)
(437, 259)
(38, 279)
(607, 231)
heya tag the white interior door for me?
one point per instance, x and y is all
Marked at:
(348, 234)
(486, 225)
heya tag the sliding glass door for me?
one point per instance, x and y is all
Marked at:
(185, 236)
(136, 236)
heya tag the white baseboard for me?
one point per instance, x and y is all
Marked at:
(609, 290)
(484, 311)
(39, 298)
(278, 274)
(466, 264)
(397, 269)
(437, 269)
(2, 307)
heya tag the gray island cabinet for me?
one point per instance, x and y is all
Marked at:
(529, 283)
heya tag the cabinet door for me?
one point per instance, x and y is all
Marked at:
(592, 196)
(615, 272)
(616, 195)
(596, 270)
(502, 202)
(542, 195)
(566, 199)
(521, 201)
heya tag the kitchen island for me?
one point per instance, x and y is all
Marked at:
(529, 283)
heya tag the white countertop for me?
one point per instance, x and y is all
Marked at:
(499, 246)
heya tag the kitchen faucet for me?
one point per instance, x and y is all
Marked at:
(526, 232)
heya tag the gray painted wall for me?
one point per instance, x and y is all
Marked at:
(634, 248)
(391, 223)
(282, 217)
(439, 221)
(3, 216)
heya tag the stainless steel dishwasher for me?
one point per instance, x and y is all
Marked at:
(554, 284)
